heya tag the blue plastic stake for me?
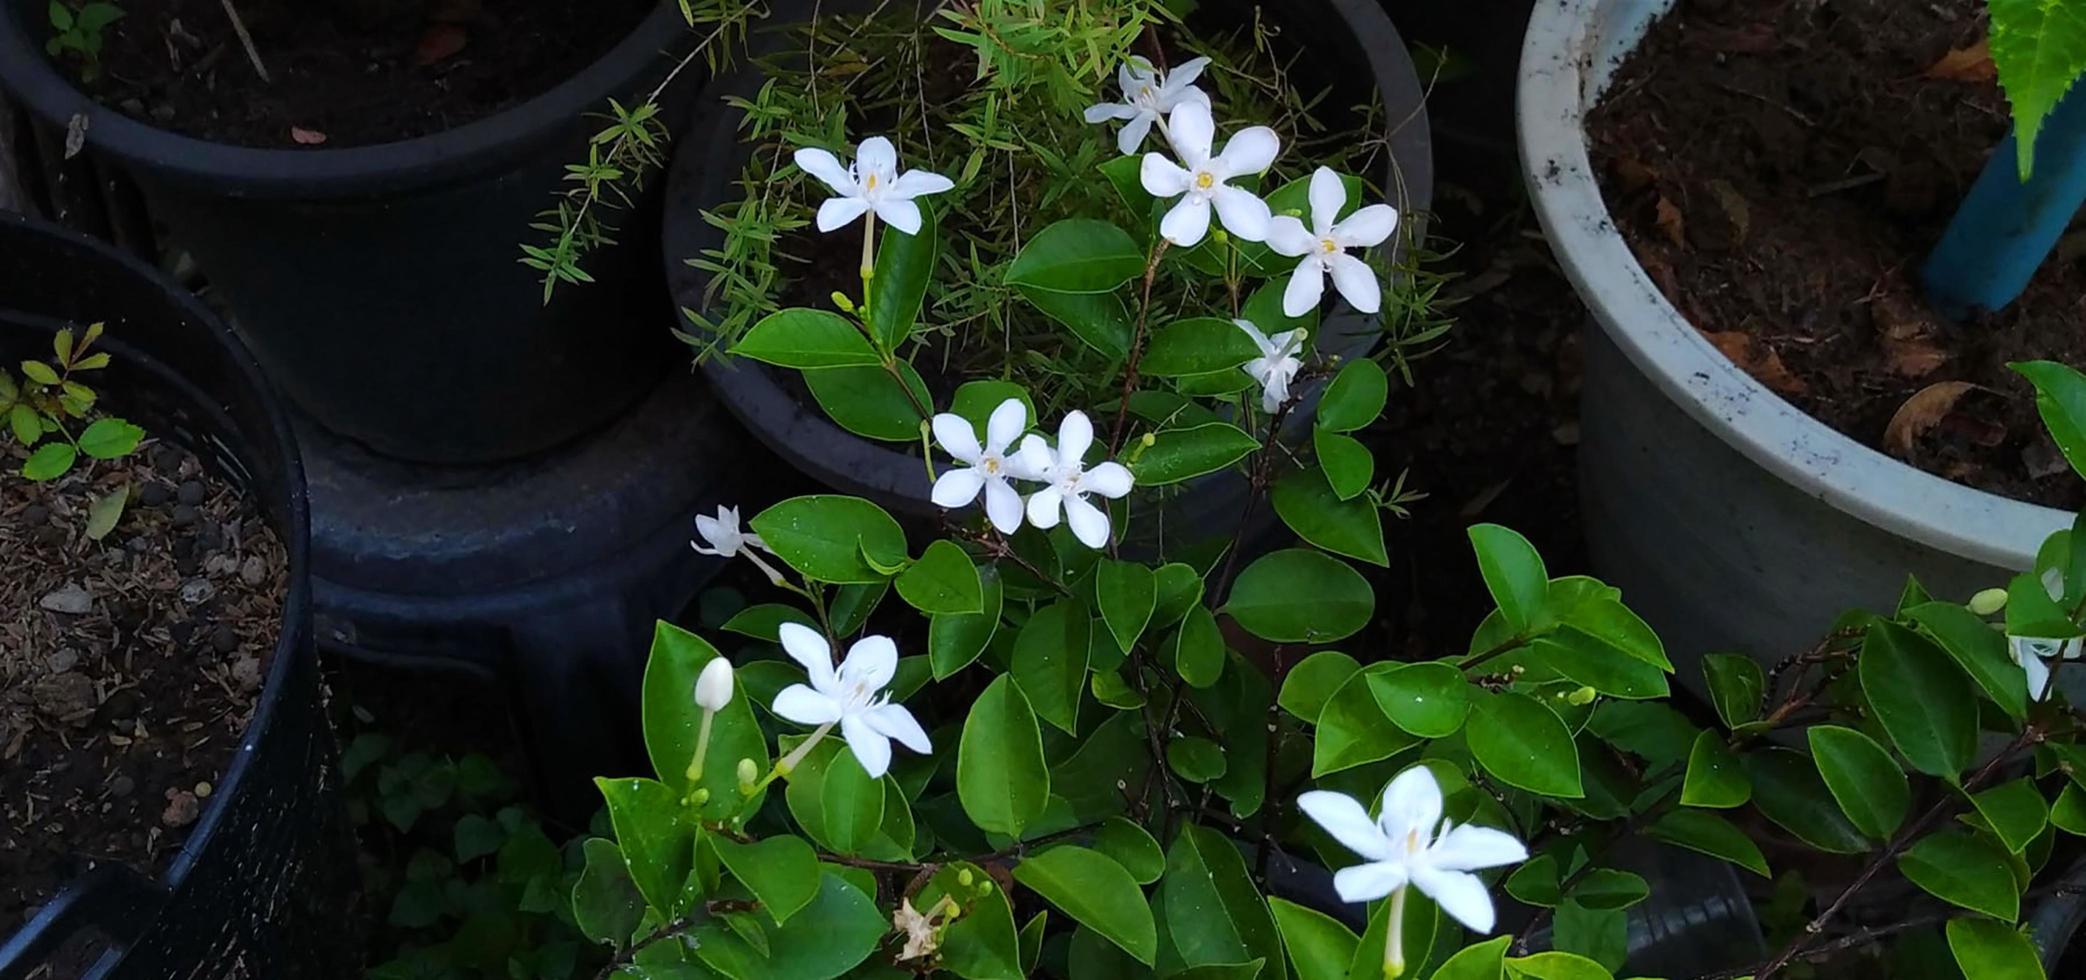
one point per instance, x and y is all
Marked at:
(2006, 227)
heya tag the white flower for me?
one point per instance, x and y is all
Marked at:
(2031, 651)
(1402, 846)
(1324, 247)
(1064, 469)
(1277, 364)
(1149, 95)
(871, 183)
(713, 687)
(990, 465)
(852, 697)
(1200, 178)
(723, 534)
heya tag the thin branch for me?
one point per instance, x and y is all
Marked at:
(246, 40)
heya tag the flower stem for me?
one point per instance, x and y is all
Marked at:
(702, 748)
(788, 764)
(868, 252)
(1394, 937)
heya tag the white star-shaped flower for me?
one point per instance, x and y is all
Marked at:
(1324, 247)
(990, 465)
(1148, 96)
(1069, 481)
(1200, 180)
(2031, 652)
(852, 696)
(872, 183)
(1402, 846)
(727, 541)
(1277, 364)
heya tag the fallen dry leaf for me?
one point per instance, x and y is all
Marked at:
(1912, 358)
(1971, 64)
(308, 137)
(1734, 206)
(1757, 359)
(1924, 410)
(439, 43)
(1671, 222)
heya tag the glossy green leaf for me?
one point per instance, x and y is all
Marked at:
(832, 935)
(1352, 728)
(829, 538)
(1513, 572)
(1863, 778)
(1311, 508)
(1586, 660)
(1311, 683)
(1349, 466)
(1714, 777)
(1988, 950)
(1183, 454)
(782, 872)
(869, 402)
(2068, 812)
(1788, 790)
(1319, 947)
(1557, 965)
(2014, 811)
(851, 802)
(1097, 893)
(1213, 913)
(1523, 744)
(954, 641)
(1610, 888)
(671, 722)
(1179, 588)
(1964, 869)
(1198, 345)
(1000, 775)
(943, 582)
(1100, 320)
(49, 462)
(1429, 700)
(1300, 596)
(981, 944)
(1707, 833)
(1126, 593)
(1736, 687)
(110, 438)
(1131, 846)
(1195, 759)
(1355, 397)
(1478, 961)
(1050, 661)
(1980, 650)
(2060, 398)
(807, 339)
(658, 844)
(904, 266)
(606, 904)
(763, 621)
(1920, 698)
(1077, 255)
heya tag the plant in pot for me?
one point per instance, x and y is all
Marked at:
(1081, 776)
(1046, 270)
(1759, 204)
(168, 795)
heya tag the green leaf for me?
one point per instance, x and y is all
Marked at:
(104, 511)
(1183, 454)
(1714, 778)
(851, 803)
(2014, 811)
(868, 401)
(1198, 648)
(1919, 696)
(1077, 255)
(1319, 947)
(1050, 661)
(2068, 813)
(1478, 961)
(1311, 508)
(1587, 660)
(110, 438)
(605, 902)
(1514, 573)
(1099, 320)
(1736, 687)
(807, 339)
(1349, 466)
(782, 872)
(1523, 744)
(1352, 728)
(1300, 596)
(1600, 614)
(1609, 888)
(1097, 893)
(1195, 759)
(1980, 650)
(1987, 950)
(1535, 882)
(1213, 913)
(982, 943)
(1355, 398)
(1198, 345)
(1126, 592)
(27, 425)
(1179, 587)
(826, 537)
(954, 641)
(1863, 777)
(1557, 965)
(1429, 700)
(1311, 683)
(49, 462)
(2039, 47)
(39, 372)
(2060, 390)
(1132, 847)
(838, 930)
(1422, 924)
(1963, 869)
(1000, 775)
(1707, 833)
(904, 264)
(671, 722)
(658, 844)
(943, 582)
(763, 621)
(1788, 790)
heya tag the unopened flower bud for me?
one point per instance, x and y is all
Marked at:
(699, 797)
(841, 301)
(1988, 602)
(1149, 440)
(748, 772)
(985, 887)
(964, 877)
(1582, 697)
(1219, 236)
(713, 687)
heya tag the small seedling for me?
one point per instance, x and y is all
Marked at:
(79, 33)
(47, 400)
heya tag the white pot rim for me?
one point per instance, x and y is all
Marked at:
(1566, 56)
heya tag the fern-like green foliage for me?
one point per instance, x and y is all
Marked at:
(2039, 47)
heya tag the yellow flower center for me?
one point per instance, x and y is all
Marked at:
(870, 184)
(1204, 181)
(992, 465)
(1327, 246)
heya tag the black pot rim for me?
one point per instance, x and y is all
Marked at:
(816, 445)
(37, 82)
(293, 633)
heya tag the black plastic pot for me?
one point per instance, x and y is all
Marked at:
(261, 885)
(1355, 37)
(379, 284)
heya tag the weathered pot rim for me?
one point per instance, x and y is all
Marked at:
(1567, 55)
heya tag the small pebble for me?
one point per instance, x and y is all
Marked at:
(203, 791)
(166, 459)
(65, 659)
(72, 600)
(219, 565)
(155, 494)
(184, 515)
(50, 536)
(182, 809)
(122, 786)
(197, 591)
(191, 493)
(224, 639)
(253, 571)
(247, 672)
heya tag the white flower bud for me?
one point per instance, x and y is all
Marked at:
(713, 687)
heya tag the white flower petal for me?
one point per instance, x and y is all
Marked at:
(1101, 112)
(1132, 74)
(957, 486)
(1260, 340)
(1366, 228)
(872, 748)
(826, 167)
(1459, 894)
(805, 706)
(836, 212)
(957, 437)
(1089, 523)
(1162, 178)
(870, 664)
(1355, 281)
(1131, 136)
(915, 183)
(1328, 195)
(898, 723)
(1306, 286)
(876, 155)
(805, 646)
(1043, 507)
(1288, 236)
(1187, 222)
(1193, 131)
(1469, 848)
(1002, 506)
(1183, 75)
(1110, 479)
(1412, 802)
(1075, 435)
(1343, 817)
(1249, 151)
(1367, 882)
(1275, 387)
(1035, 458)
(899, 213)
(1245, 214)
(1005, 425)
